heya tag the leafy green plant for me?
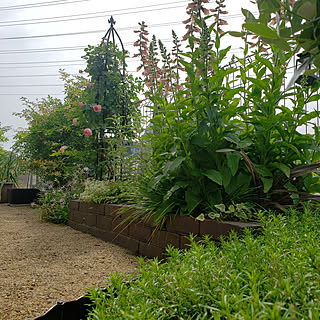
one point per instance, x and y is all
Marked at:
(54, 202)
(107, 191)
(273, 275)
(111, 111)
(217, 142)
(10, 168)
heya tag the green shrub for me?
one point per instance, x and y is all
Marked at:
(54, 202)
(108, 191)
(274, 275)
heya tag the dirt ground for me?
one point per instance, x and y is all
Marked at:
(41, 263)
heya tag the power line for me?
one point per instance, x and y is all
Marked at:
(47, 66)
(34, 75)
(30, 85)
(86, 15)
(40, 4)
(36, 62)
(31, 94)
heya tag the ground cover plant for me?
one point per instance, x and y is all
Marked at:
(272, 275)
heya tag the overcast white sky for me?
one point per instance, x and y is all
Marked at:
(33, 46)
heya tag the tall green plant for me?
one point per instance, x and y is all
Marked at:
(217, 143)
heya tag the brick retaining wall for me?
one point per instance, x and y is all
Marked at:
(102, 221)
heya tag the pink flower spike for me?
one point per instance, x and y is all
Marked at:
(74, 121)
(97, 108)
(63, 148)
(80, 104)
(87, 132)
(89, 84)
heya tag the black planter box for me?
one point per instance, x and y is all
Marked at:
(4, 191)
(22, 196)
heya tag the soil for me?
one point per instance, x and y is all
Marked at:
(41, 263)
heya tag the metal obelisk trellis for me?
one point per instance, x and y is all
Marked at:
(112, 33)
(110, 38)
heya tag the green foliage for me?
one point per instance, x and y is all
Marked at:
(297, 25)
(274, 275)
(111, 112)
(107, 191)
(55, 200)
(10, 168)
(214, 142)
(50, 128)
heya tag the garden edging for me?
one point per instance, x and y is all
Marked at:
(102, 221)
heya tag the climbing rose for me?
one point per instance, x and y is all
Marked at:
(74, 121)
(89, 84)
(80, 104)
(87, 132)
(63, 148)
(97, 108)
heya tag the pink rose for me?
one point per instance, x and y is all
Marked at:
(63, 148)
(97, 108)
(87, 132)
(80, 104)
(89, 84)
(74, 121)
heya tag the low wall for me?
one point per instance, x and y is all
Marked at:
(102, 221)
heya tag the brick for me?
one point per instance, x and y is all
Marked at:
(150, 251)
(92, 208)
(140, 231)
(118, 226)
(182, 224)
(80, 227)
(164, 238)
(74, 205)
(127, 243)
(90, 220)
(216, 229)
(114, 209)
(77, 216)
(104, 223)
(104, 235)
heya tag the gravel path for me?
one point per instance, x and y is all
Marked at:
(41, 263)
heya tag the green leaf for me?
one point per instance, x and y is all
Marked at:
(200, 217)
(232, 138)
(221, 207)
(261, 30)
(173, 165)
(280, 43)
(236, 34)
(171, 192)
(285, 169)
(215, 176)
(192, 200)
(233, 162)
(267, 184)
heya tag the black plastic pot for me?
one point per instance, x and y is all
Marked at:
(70, 310)
(22, 196)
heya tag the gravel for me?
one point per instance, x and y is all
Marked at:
(41, 263)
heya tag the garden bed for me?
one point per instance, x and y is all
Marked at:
(104, 221)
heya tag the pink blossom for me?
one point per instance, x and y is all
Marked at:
(74, 121)
(87, 132)
(63, 148)
(97, 108)
(81, 104)
(89, 84)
